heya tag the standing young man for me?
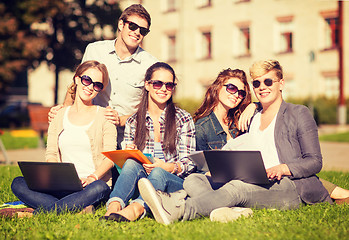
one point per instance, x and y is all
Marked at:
(288, 140)
(126, 62)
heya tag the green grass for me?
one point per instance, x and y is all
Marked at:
(339, 137)
(320, 221)
(11, 142)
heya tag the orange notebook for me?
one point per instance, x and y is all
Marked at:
(119, 157)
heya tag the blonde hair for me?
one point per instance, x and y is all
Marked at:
(262, 67)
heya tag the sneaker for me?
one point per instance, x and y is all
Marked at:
(166, 207)
(226, 214)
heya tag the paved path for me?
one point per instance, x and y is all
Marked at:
(335, 155)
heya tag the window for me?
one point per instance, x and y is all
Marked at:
(285, 35)
(331, 32)
(203, 3)
(242, 40)
(171, 48)
(330, 29)
(205, 45)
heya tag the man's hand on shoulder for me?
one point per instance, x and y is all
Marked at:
(53, 112)
(112, 116)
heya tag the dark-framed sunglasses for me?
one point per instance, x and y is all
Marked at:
(134, 26)
(86, 81)
(231, 88)
(267, 82)
(157, 84)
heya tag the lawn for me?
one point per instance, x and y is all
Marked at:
(321, 221)
(13, 141)
(339, 137)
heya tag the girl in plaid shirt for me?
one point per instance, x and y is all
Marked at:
(158, 128)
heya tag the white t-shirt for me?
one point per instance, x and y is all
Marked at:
(75, 147)
(264, 141)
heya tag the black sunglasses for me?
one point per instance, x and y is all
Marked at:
(134, 26)
(86, 81)
(231, 88)
(157, 84)
(267, 82)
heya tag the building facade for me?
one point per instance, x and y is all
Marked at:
(199, 38)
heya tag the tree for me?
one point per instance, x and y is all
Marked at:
(19, 45)
(58, 32)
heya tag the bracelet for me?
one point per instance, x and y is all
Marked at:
(175, 169)
(92, 175)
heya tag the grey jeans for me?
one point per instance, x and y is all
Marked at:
(203, 198)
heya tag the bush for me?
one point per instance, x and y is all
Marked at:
(325, 109)
(190, 105)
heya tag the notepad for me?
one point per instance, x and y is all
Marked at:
(119, 157)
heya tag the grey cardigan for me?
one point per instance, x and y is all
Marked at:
(297, 144)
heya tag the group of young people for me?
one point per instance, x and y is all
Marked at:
(103, 109)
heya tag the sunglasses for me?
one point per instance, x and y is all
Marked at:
(267, 82)
(231, 88)
(134, 26)
(157, 84)
(86, 81)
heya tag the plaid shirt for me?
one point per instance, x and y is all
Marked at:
(185, 139)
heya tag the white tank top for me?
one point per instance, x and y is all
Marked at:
(75, 146)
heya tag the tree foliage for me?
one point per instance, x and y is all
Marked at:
(56, 31)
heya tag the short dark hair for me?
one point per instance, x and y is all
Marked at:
(136, 9)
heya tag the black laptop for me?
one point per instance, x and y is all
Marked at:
(226, 165)
(50, 176)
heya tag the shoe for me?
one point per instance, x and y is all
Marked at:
(166, 207)
(16, 212)
(226, 214)
(342, 201)
(117, 218)
(88, 210)
(103, 218)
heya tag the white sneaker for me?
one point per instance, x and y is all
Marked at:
(226, 214)
(166, 207)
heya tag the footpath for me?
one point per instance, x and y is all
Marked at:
(335, 155)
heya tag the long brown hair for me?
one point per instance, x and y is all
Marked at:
(211, 97)
(170, 137)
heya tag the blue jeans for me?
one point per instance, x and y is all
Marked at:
(126, 185)
(204, 198)
(91, 194)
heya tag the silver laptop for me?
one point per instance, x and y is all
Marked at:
(50, 176)
(226, 165)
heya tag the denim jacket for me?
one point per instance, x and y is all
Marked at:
(210, 134)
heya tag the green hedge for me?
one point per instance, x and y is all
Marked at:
(325, 110)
